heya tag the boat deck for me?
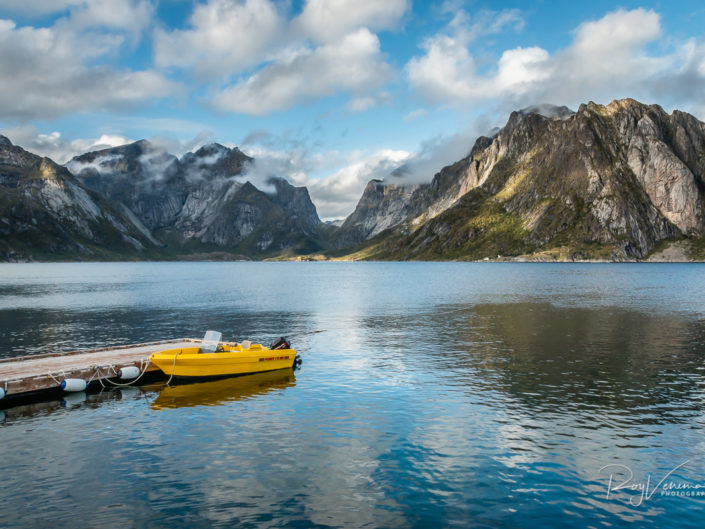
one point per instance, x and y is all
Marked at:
(29, 374)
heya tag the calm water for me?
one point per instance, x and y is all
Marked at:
(437, 395)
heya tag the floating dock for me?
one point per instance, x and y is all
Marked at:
(33, 376)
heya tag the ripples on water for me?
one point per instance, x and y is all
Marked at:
(439, 395)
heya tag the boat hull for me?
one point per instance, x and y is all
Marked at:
(189, 363)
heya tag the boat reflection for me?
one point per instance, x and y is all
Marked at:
(68, 401)
(216, 392)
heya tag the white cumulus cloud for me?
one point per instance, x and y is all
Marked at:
(447, 72)
(54, 70)
(56, 147)
(326, 20)
(609, 58)
(225, 36)
(266, 61)
(352, 65)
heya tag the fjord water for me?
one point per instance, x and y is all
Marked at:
(436, 395)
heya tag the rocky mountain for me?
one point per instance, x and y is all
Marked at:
(201, 202)
(383, 206)
(47, 213)
(621, 181)
(618, 181)
(139, 178)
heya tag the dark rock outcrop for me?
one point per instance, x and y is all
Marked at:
(605, 182)
(47, 213)
(140, 177)
(203, 201)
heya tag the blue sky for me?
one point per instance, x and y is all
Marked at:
(329, 93)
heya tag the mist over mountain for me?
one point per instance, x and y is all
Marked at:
(47, 213)
(606, 182)
(197, 205)
(622, 181)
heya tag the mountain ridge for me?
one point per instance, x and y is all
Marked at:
(622, 181)
(196, 205)
(612, 182)
(200, 202)
(45, 211)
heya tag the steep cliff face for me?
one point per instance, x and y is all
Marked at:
(140, 177)
(202, 202)
(297, 204)
(667, 155)
(383, 206)
(380, 207)
(244, 219)
(46, 213)
(606, 181)
(208, 183)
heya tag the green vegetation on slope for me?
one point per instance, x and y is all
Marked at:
(475, 228)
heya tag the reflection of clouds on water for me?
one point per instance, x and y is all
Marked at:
(548, 391)
(267, 467)
(424, 403)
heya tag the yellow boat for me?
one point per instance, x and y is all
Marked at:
(223, 359)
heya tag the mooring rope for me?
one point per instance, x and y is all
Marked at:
(62, 374)
(98, 369)
(173, 368)
(143, 368)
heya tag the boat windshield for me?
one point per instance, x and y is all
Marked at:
(210, 342)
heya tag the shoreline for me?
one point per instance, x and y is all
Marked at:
(517, 260)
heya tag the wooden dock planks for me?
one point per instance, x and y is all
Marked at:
(41, 372)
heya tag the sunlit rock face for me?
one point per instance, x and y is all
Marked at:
(606, 182)
(45, 212)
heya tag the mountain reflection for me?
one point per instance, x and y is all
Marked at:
(547, 357)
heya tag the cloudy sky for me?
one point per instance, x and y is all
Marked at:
(329, 93)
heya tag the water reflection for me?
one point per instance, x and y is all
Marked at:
(28, 331)
(69, 401)
(544, 355)
(438, 396)
(177, 395)
(216, 392)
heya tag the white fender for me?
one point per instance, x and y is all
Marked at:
(73, 384)
(128, 372)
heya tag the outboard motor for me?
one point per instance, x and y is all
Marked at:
(281, 343)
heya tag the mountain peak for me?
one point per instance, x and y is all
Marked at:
(210, 149)
(611, 181)
(4, 140)
(618, 105)
(139, 145)
(548, 111)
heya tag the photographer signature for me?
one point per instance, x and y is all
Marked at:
(645, 490)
